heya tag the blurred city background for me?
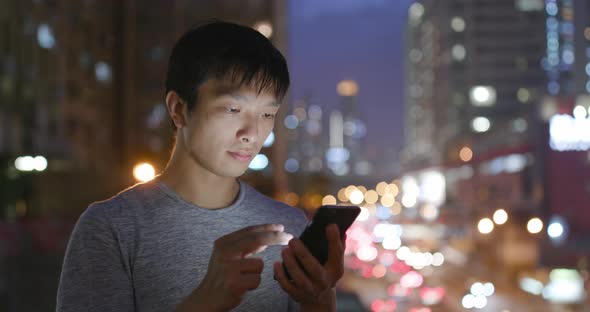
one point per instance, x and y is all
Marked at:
(462, 128)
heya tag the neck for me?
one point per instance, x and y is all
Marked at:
(195, 184)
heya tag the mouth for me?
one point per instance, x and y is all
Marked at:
(243, 157)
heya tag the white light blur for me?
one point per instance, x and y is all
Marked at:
(432, 187)
(438, 259)
(259, 162)
(40, 163)
(409, 186)
(392, 242)
(363, 215)
(480, 302)
(514, 163)
(292, 165)
(28, 163)
(458, 24)
(579, 112)
(291, 122)
(488, 289)
(477, 289)
(45, 36)
(429, 296)
(409, 200)
(357, 197)
(383, 230)
(531, 286)
(25, 163)
(569, 133)
(337, 155)
(558, 229)
(458, 52)
(534, 226)
(339, 169)
(565, 286)
(429, 212)
(480, 124)
(367, 253)
(482, 95)
(102, 71)
(555, 230)
(468, 301)
(500, 216)
(416, 11)
(403, 253)
(411, 279)
(485, 226)
(269, 140)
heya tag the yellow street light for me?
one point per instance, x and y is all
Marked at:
(485, 226)
(500, 216)
(144, 172)
(534, 226)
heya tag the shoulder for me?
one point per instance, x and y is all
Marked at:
(110, 212)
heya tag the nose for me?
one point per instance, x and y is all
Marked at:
(248, 132)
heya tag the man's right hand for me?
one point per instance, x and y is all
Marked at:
(231, 273)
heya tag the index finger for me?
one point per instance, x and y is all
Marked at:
(252, 242)
(253, 228)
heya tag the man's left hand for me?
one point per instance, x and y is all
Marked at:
(312, 285)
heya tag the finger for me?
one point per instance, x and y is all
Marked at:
(253, 242)
(250, 265)
(335, 251)
(258, 240)
(310, 264)
(299, 277)
(253, 228)
(281, 277)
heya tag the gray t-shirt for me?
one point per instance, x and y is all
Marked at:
(146, 249)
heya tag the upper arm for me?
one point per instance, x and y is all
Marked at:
(93, 276)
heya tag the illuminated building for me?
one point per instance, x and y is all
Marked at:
(485, 81)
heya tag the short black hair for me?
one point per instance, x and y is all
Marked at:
(223, 50)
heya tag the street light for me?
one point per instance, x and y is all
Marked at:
(144, 172)
(557, 229)
(500, 216)
(466, 154)
(485, 226)
(30, 163)
(534, 226)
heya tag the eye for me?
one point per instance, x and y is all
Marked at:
(233, 110)
(269, 116)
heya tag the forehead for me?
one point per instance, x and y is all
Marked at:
(213, 88)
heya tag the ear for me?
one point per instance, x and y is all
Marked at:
(176, 108)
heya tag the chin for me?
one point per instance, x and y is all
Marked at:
(232, 171)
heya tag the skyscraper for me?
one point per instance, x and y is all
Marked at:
(473, 72)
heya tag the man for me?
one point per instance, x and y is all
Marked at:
(196, 238)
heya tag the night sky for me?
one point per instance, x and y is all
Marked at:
(332, 40)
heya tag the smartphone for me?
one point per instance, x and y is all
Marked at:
(314, 235)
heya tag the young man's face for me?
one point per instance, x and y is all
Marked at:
(228, 126)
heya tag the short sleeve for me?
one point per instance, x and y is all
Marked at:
(93, 276)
